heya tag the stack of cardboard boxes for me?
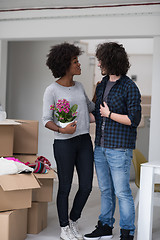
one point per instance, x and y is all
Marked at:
(23, 197)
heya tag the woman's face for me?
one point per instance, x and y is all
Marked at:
(75, 68)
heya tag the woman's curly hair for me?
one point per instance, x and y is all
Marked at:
(60, 56)
(113, 58)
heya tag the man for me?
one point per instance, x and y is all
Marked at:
(117, 115)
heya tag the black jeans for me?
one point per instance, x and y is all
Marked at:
(78, 152)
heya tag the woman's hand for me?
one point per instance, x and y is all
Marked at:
(104, 111)
(92, 118)
(69, 129)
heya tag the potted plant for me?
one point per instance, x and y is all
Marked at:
(64, 113)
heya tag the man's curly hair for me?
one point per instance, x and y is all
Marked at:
(113, 58)
(60, 56)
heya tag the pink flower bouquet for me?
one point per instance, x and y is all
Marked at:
(64, 112)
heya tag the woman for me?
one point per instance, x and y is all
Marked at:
(72, 144)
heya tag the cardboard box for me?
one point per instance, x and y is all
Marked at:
(37, 217)
(45, 193)
(146, 99)
(146, 110)
(6, 137)
(26, 137)
(13, 225)
(16, 191)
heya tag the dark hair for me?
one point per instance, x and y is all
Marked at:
(113, 58)
(60, 56)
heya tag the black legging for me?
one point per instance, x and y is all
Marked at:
(76, 151)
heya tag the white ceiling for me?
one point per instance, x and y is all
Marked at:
(12, 4)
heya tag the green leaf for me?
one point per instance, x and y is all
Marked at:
(74, 108)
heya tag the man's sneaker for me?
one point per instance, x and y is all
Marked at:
(102, 232)
(125, 235)
(66, 234)
(74, 228)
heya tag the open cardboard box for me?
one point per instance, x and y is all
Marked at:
(13, 224)
(45, 193)
(16, 191)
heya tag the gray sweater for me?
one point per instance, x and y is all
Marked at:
(75, 95)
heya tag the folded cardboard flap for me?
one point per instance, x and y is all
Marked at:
(50, 174)
(18, 182)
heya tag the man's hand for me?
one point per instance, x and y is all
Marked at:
(104, 111)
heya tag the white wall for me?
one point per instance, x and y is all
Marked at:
(132, 46)
(141, 66)
(3, 72)
(126, 22)
(155, 113)
(140, 52)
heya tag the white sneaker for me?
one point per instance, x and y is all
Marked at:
(66, 234)
(75, 230)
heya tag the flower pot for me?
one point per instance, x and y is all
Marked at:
(63, 125)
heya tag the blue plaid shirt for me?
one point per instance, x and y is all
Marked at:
(123, 98)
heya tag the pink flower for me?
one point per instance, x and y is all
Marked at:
(51, 107)
(64, 112)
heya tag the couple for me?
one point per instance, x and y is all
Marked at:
(117, 112)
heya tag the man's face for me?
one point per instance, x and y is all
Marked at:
(103, 71)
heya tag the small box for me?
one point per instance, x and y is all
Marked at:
(16, 191)
(146, 110)
(26, 137)
(13, 225)
(146, 99)
(45, 193)
(6, 137)
(37, 217)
